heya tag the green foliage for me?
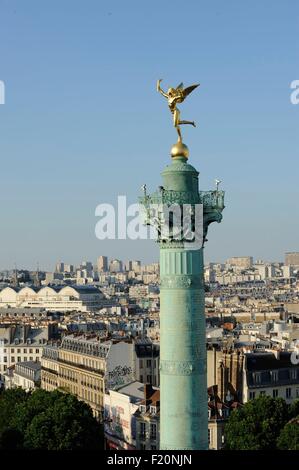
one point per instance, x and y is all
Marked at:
(257, 425)
(9, 400)
(47, 420)
(294, 409)
(289, 436)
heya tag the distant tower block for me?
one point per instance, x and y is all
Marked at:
(183, 374)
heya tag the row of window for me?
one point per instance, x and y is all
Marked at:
(257, 376)
(146, 363)
(152, 409)
(86, 381)
(12, 359)
(153, 431)
(49, 381)
(79, 360)
(275, 393)
(25, 350)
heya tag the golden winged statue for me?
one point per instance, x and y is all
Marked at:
(175, 96)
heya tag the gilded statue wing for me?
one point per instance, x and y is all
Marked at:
(180, 87)
(189, 90)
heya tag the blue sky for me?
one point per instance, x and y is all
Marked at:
(82, 122)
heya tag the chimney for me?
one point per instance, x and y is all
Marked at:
(148, 391)
(276, 353)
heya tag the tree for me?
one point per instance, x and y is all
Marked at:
(257, 424)
(9, 400)
(48, 420)
(289, 436)
(294, 409)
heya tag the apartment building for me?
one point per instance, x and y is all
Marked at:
(22, 343)
(121, 405)
(271, 373)
(148, 420)
(147, 361)
(24, 374)
(245, 375)
(86, 365)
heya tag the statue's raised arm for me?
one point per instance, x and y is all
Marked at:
(159, 89)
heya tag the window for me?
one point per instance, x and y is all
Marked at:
(251, 395)
(153, 410)
(19, 359)
(141, 364)
(262, 393)
(142, 430)
(148, 379)
(37, 351)
(153, 429)
(257, 377)
(5, 358)
(19, 351)
(142, 446)
(149, 363)
(297, 392)
(141, 378)
(153, 447)
(275, 393)
(288, 392)
(209, 436)
(12, 351)
(209, 414)
(293, 374)
(274, 375)
(12, 359)
(30, 351)
(142, 408)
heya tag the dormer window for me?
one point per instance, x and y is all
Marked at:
(293, 374)
(153, 410)
(142, 408)
(274, 375)
(257, 377)
(209, 414)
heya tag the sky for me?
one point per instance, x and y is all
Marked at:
(82, 122)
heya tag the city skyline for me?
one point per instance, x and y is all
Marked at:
(124, 260)
(75, 132)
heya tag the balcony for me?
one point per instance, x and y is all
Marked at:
(82, 366)
(155, 206)
(211, 200)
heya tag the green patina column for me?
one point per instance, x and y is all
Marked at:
(183, 375)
